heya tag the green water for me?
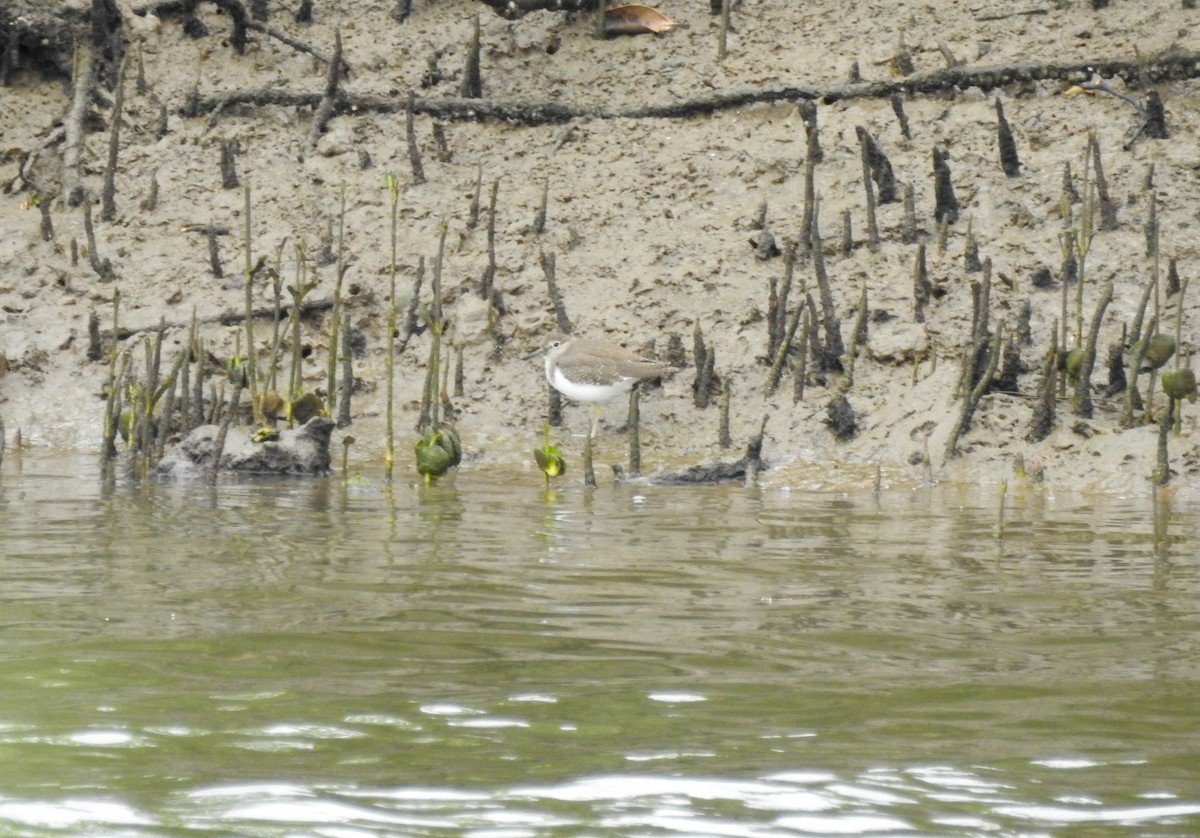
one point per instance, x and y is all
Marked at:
(487, 658)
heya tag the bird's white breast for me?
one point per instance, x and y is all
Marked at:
(582, 391)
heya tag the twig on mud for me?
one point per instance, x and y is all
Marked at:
(1165, 68)
(1019, 13)
(1103, 87)
(225, 318)
(298, 45)
(1154, 123)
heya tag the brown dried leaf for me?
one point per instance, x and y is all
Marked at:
(635, 19)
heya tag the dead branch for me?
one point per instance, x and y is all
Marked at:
(1021, 13)
(1165, 68)
(294, 43)
(230, 317)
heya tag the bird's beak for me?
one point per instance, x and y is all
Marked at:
(539, 351)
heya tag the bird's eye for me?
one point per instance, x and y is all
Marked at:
(554, 344)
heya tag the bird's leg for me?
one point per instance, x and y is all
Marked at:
(596, 408)
(589, 473)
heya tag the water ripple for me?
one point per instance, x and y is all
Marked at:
(488, 659)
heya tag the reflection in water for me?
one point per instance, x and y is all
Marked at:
(489, 656)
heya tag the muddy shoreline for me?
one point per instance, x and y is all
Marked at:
(653, 224)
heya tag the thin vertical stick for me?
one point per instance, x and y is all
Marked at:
(164, 422)
(251, 372)
(219, 444)
(1162, 463)
(801, 370)
(562, 321)
(444, 392)
(297, 298)
(459, 379)
(723, 33)
(785, 290)
(83, 75)
(488, 280)
(781, 352)
(185, 386)
(635, 438)
(539, 218)
(116, 372)
(724, 437)
(589, 472)
(1062, 338)
(834, 348)
(472, 80)
(335, 319)
(1000, 512)
(1179, 309)
(1082, 402)
(865, 154)
(276, 319)
(102, 267)
(198, 386)
(857, 337)
(151, 201)
(347, 382)
(108, 206)
(1083, 243)
(389, 460)
(437, 272)
(908, 233)
(812, 156)
(430, 403)
(411, 318)
(410, 133)
(473, 211)
(922, 289)
(95, 350)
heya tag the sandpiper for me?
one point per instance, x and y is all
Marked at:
(592, 370)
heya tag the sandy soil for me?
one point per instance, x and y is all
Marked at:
(649, 219)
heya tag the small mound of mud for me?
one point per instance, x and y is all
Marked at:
(300, 451)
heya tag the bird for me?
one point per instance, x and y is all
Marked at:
(594, 370)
